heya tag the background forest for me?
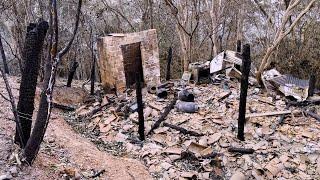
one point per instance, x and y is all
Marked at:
(196, 29)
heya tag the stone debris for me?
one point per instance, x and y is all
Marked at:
(289, 150)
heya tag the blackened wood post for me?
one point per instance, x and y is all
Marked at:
(4, 59)
(169, 60)
(72, 71)
(245, 69)
(93, 76)
(140, 106)
(312, 83)
(238, 46)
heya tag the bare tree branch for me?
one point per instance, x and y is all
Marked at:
(118, 13)
(264, 12)
(13, 105)
(4, 97)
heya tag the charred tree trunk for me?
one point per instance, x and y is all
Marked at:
(30, 150)
(246, 64)
(73, 69)
(44, 112)
(168, 75)
(4, 59)
(32, 51)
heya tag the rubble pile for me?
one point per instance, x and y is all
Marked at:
(199, 143)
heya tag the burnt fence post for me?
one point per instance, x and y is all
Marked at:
(169, 60)
(238, 46)
(93, 76)
(72, 71)
(245, 69)
(140, 107)
(312, 83)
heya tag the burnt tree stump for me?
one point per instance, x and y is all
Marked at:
(72, 71)
(238, 46)
(169, 60)
(36, 34)
(312, 84)
(140, 107)
(245, 69)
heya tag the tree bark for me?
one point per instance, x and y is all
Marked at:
(33, 47)
(3, 55)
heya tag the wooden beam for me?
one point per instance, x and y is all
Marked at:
(268, 114)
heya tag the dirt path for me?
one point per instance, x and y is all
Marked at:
(87, 156)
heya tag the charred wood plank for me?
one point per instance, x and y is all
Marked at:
(246, 64)
(304, 103)
(312, 114)
(164, 115)
(96, 110)
(241, 150)
(63, 107)
(182, 130)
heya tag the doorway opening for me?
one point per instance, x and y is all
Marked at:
(132, 62)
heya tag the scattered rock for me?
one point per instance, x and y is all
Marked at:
(238, 176)
(6, 177)
(14, 171)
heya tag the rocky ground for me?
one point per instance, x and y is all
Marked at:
(281, 151)
(107, 141)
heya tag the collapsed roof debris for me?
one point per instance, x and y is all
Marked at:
(228, 61)
(287, 84)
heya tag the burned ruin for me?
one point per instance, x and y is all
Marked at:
(121, 56)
